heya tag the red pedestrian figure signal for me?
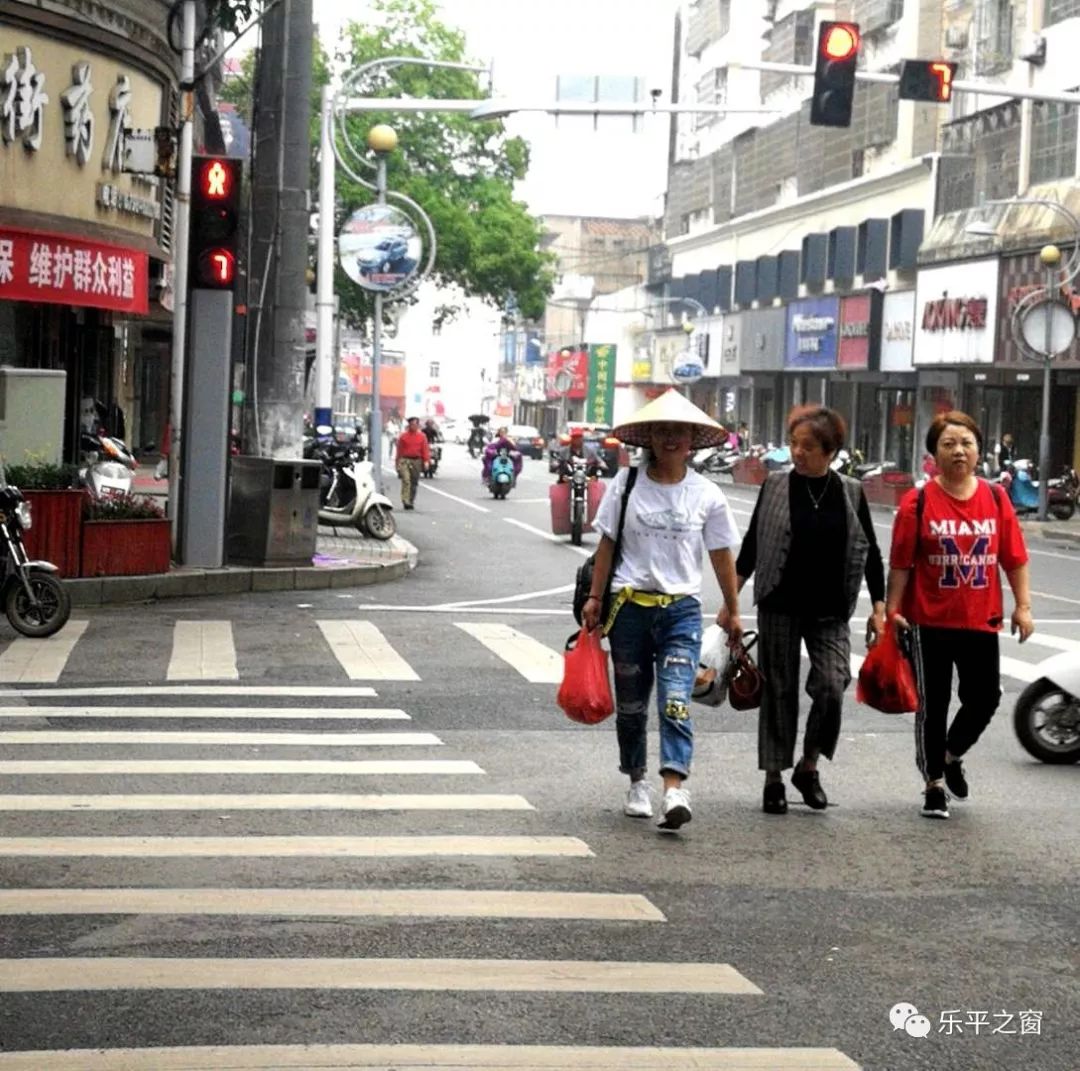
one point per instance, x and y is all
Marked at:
(215, 218)
(834, 74)
(928, 80)
(216, 180)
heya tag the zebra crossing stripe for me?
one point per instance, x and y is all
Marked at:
(246, 713)
(427, 1057)
(283, 691)
(80, 974)
(40, 661)
(287, 847)
(364, 653)
(339, 903)
(241, 767)
(536, 662)
(219, 739)
(202, 650)
(269, 802)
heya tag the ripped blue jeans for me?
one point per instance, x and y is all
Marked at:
(661, 643)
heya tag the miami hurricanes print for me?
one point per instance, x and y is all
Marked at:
(956, 579)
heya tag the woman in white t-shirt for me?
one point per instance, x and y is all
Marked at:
(673, 516)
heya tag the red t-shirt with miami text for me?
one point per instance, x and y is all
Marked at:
(956, 582)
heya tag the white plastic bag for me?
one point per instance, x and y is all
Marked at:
(711, 682)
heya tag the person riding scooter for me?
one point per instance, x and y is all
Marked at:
(502, 439)
(579, 448)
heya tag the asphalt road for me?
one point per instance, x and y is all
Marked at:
(827, 921)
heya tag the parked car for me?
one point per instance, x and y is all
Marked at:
(384, 256)
(529, 440)
(598, 439)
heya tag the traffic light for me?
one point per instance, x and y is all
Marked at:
(929, 80)
(215, 218)
(834, 74)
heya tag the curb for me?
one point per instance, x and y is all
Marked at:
(184, 583)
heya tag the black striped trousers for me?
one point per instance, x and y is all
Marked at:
(828, 642)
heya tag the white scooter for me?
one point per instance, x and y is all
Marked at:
(108, 468)
(348, 496)
(1047, 715)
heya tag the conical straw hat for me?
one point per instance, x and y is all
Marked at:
(670, 408)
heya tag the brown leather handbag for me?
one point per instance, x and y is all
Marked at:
(745, 680)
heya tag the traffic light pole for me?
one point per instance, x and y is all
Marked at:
(181, 233)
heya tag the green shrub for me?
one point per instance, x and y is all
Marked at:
(37, 475)
(122, 508)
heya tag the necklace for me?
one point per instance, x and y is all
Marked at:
(824, 491)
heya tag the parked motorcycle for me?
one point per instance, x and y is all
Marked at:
(579, 497)
(1018, 478)
(720, 461)
(108, 468)
(501, 476)
(36, 602)
(347, 494)
(1047, 714)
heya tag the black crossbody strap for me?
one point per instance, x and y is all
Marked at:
(631, 476)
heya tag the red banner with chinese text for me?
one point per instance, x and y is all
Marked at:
(63, 270)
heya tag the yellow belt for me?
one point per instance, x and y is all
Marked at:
(640, 598)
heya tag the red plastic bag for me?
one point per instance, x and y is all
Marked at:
(585, 692)
(887, 679)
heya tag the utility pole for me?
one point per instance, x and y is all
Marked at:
(279, 228)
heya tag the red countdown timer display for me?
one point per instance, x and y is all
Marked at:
(927, 80)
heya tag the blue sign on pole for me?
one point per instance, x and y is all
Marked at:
(812, 333)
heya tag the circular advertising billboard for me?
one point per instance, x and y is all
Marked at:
(379, 248)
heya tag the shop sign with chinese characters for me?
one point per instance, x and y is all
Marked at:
(955, 313)
(62, 270)
(65, 115)
(600, 401)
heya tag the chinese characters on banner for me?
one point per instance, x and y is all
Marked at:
(72, 271)
(600, 401)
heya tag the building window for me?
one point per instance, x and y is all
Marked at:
(1053, 141)
(433, 370)
(1059, 10)
(723, 16)
(993, 36)
(712, 89)
(791, 40)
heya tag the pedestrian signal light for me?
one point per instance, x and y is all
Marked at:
(215, 220)
(834, 74)
(928, 80)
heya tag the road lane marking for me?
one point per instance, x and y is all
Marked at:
(561, 590)
(29, 661)
(364, 653)
(243, 767)
(202, 650)
(286, 847)
(455, 498)
(561, 540)
(304, 691)
(255, 801)
(1044, 639)
(61, 737)
(343, 903)
(47, 975)
(427, 1058)
(240, 713)
(537, 663)
(451, 609)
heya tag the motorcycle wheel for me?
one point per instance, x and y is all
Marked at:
(1037, 709)
(575, 524)
(1063, 511)
(379, 522)
(51, 613)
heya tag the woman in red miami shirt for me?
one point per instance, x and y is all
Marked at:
(948, 541)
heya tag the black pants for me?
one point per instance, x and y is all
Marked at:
(978, 670)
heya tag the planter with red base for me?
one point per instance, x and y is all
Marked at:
(55, 530)
(749, 470)
(126, 548)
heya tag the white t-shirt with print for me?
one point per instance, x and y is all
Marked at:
(669, 527)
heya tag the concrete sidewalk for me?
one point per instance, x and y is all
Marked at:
(344, 558)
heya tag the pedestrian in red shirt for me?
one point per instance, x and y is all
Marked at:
(949, 540)
(413, 452)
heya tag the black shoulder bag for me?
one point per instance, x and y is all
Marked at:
(583, 583)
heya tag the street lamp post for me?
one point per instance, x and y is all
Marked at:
(1050, 256)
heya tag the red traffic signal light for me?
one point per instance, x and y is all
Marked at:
(928, 80)
(215, 220)
(834, 74)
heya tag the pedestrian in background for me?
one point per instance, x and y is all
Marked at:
(949, 538)
(673, 516)
(413, 453)
(392, 430)
(1005, 451)
(810, 542)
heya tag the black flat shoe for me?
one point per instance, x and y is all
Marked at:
(775, 798)
(809, 784)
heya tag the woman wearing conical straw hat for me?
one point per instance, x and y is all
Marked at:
(673, 516)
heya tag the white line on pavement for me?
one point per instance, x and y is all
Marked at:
(536, 662)
(241, 713)
(561, 540)
(202, 650)
(257, 801)
(507, 598)
(40, 660)
(455, 498)
(240, 767)
(219, 739)
(304, 691)
(364, 653)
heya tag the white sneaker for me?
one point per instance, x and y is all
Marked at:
(675, 809)
(638, 800)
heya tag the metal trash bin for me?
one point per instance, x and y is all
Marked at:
(273, 511)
